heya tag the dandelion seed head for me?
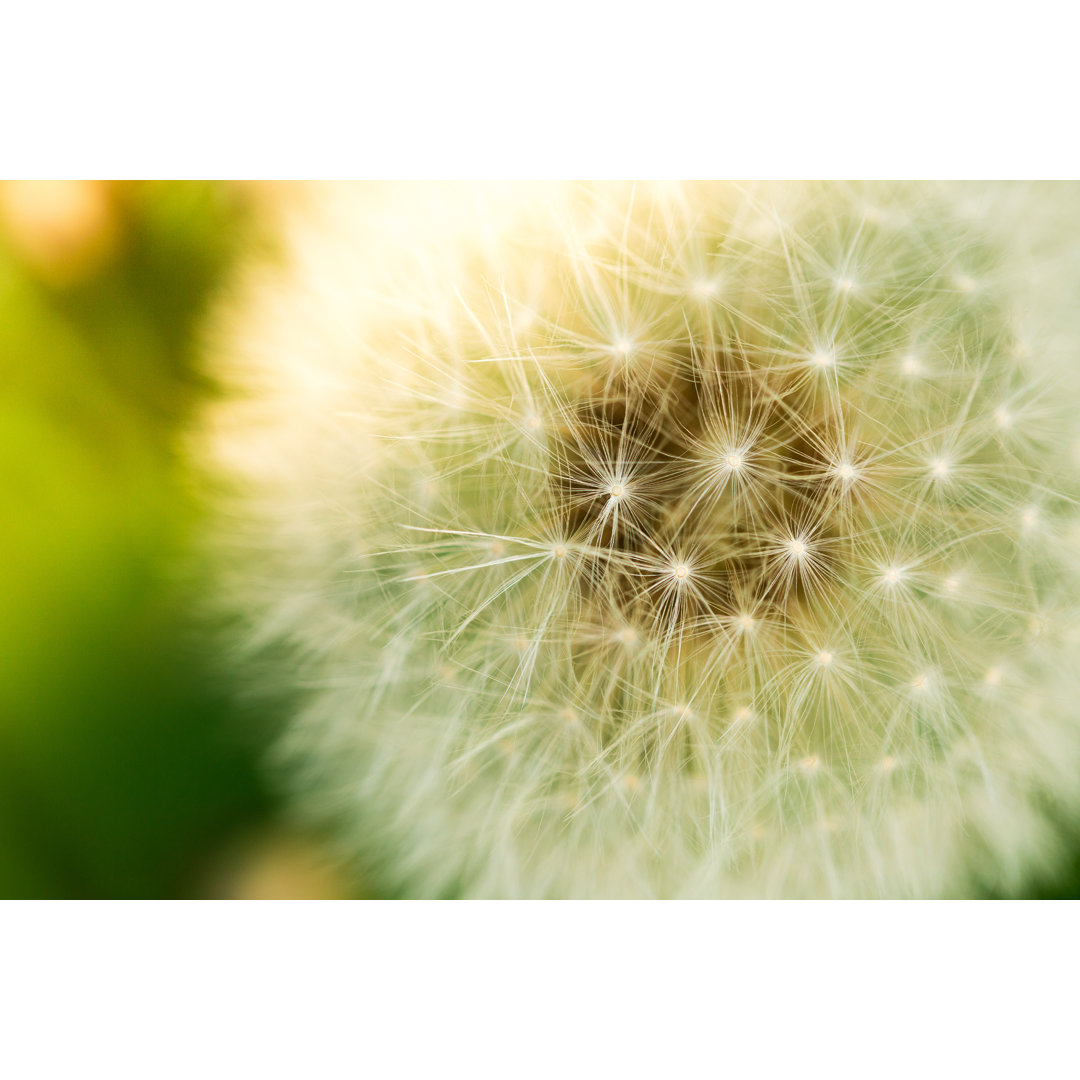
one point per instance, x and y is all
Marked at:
(575, 576)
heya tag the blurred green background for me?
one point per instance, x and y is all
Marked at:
(125, 770)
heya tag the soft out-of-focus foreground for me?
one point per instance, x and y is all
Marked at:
(128, 767)
(125, 771)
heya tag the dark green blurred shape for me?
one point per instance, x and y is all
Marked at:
(121, 772)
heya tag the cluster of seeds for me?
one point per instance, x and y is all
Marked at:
(680, 540)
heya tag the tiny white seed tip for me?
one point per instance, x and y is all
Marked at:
(892, 575)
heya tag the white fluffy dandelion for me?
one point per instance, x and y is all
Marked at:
(673, 541)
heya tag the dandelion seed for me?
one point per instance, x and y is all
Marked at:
(523, 321)
(456, 399)
(892, 575)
